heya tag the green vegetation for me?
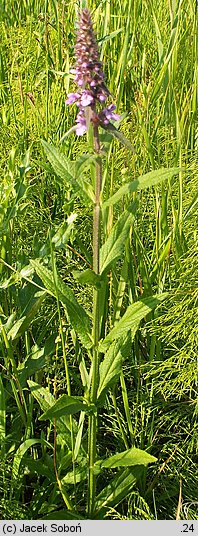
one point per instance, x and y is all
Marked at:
(141, 405)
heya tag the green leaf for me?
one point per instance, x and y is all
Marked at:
(43, 467)
(118, 488)
(110, 36)
(66, 405)
(63, 168)
(162, 257)
(21, 325)
(145, 181)
(35, 361)
(72, 478)
(132, 317)
(87, 277)
(42, 395)
(111, 366)
(159, 39)
(117, 134)
(192, 206)
(84, 162)
(78, 442)
(114, 246)
(46, 400)
(67, 170)
(21, 451)
(128, 458)
(76, 313)
(62, 234)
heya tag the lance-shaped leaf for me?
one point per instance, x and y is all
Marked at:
(117, 134)
(67, 405)
(114, 246)
(128, 458)
(76, 313)
(21, 325)
(42, 395)
(110, 36)
(63, 168)
(21, 451)
(67, 170)
(43, 466)
(117, 489)
(145, 181)
(84, 162)
(111, 366)
(62, 234)
(132, 317)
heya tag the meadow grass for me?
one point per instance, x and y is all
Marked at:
(149, 51)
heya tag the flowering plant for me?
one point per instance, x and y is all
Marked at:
(104, 349)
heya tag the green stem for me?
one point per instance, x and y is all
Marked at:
(92, 432)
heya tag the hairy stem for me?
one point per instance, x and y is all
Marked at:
(92, 436)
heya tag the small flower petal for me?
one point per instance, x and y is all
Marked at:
(80, 130)
(81, 127)
(111, 107)
(108, 112)
(79, 81)
(86, 98)
(115, 117)
(102, 97)
(72, 97)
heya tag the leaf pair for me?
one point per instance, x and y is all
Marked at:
(70, 172)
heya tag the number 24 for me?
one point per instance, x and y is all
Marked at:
(187, 528)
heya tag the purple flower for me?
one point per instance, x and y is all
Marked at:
(108, 113)
(81, 127)
(89, 78)
(86, 98)
(72, 97)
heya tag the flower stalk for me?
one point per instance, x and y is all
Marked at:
(92, 436)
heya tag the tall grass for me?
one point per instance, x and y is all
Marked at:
(149, 50)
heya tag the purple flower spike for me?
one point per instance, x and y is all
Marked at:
(89, 78)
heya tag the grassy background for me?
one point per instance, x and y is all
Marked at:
(150, 52)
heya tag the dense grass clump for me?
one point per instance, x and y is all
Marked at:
(50, 288)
